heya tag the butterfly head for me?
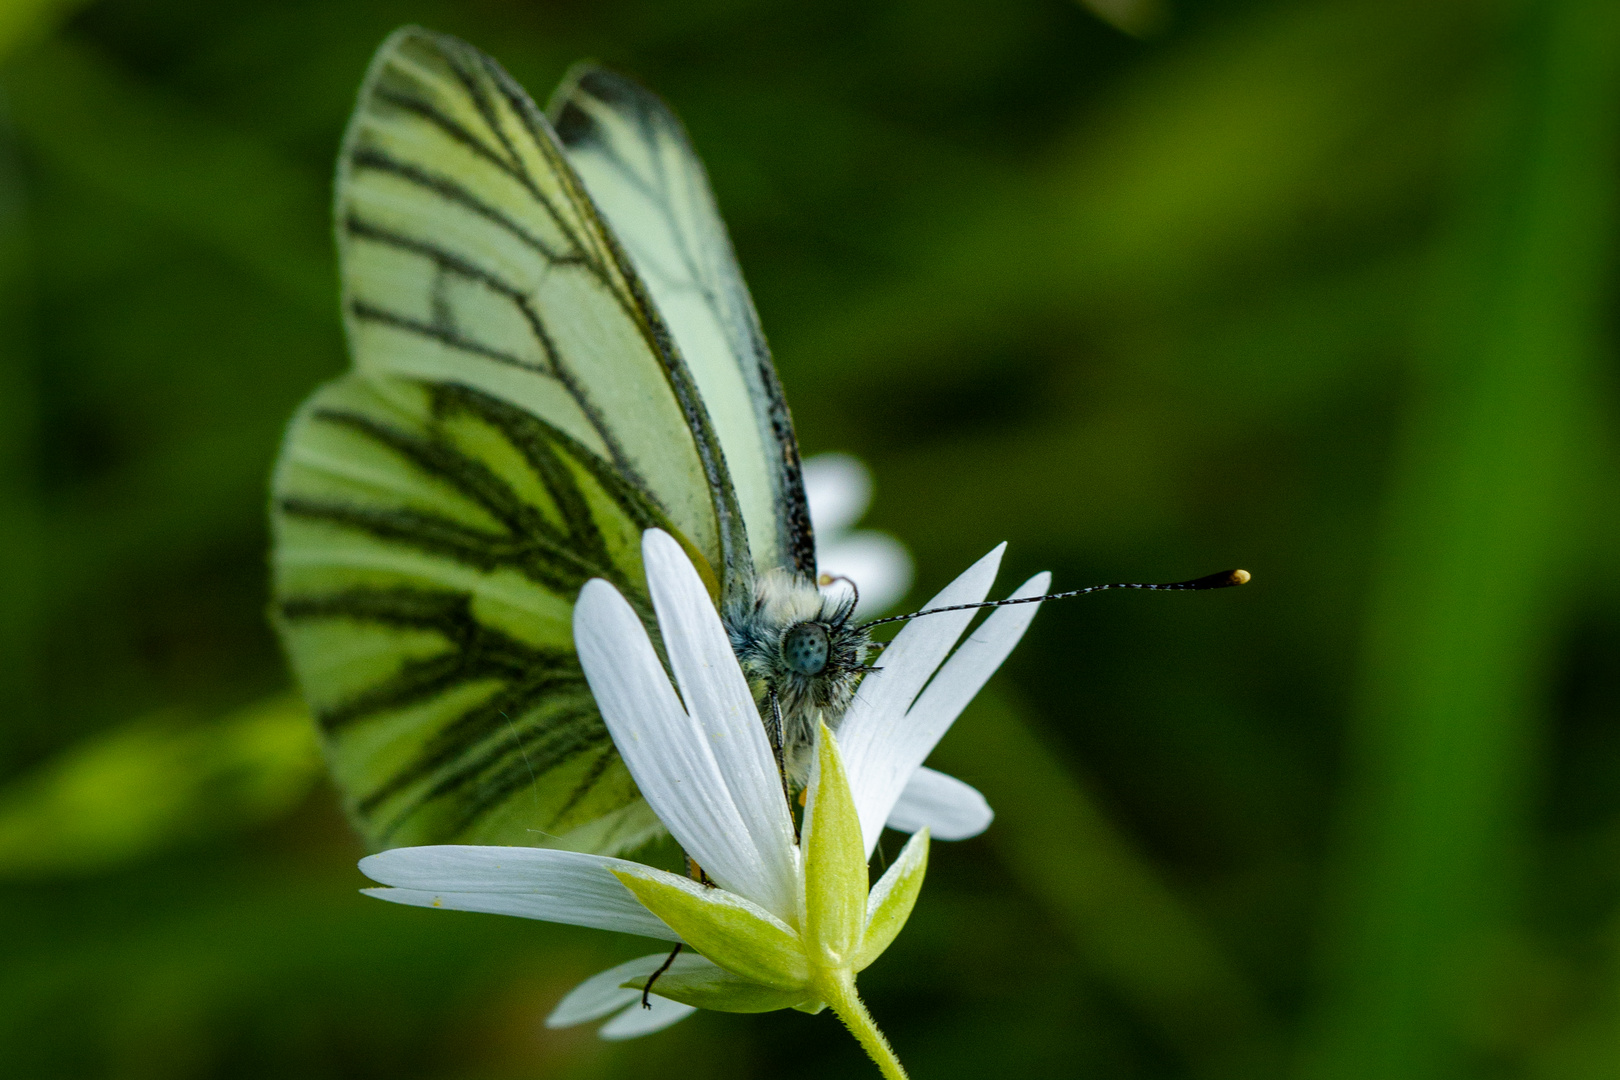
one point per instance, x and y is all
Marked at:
(803, 654)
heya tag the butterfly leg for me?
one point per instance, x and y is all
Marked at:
(668, 960)
(773, 731)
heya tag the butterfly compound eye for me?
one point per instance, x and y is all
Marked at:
(805, 648)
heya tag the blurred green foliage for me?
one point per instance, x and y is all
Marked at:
(1324, 289)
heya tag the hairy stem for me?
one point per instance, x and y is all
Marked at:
(838, 989)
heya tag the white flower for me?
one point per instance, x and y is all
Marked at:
(839, 489)
(788, 924)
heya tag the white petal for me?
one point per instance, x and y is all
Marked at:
(673, 758)
(535, 883)
(901, 745)
(759, 862)
(876, 562)
(838, 488)
(971, 666)
(635, 1021)
(944, 805)
(867, 731)
(914, 654)
(602, 993)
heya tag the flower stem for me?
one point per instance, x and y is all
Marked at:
(838, 989)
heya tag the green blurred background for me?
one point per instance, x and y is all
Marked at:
(1321, 288)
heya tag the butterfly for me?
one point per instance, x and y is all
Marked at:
(553, 351)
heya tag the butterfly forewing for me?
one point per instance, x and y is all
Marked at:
(516, 417)
(472, 255)
(641, 171)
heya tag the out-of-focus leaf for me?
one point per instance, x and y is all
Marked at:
(1139, 18)
(1214, 155)
(191, 341)
(170, 971)
(21, 537)
(146, 787)
(23, 20)
(1590, 1046)
(220, 187)
(1139, 938)
(1484, 523)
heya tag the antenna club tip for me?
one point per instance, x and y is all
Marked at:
(1241, 577)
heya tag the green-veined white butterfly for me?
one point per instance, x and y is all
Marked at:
(553, 352)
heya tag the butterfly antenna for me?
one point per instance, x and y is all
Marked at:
(1223, 580)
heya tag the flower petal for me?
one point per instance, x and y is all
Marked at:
(876, 562)
(759, 861)
(604, 993)
(869, 729)
(943, 805)
(908, 661)
(635, 1021)
(535, 883)
(971, 666)
(667, 752)
(896, 749)
(838, 488)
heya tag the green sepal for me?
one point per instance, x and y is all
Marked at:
(811, 1007)
(706, 985)
(835, 874)
(735, 933)
(889, 906)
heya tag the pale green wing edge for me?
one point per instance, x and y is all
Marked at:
(634, 156)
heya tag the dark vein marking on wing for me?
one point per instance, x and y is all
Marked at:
(732, 530)
(558, 560)
(445, 260)
(510, 164)
(449, 262)
(454, 130)
(541, 698)
(472, 755)
(478, 77)
(444, 335)
(365, 157)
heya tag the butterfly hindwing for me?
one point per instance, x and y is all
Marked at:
(516, 416)
(635, 159)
